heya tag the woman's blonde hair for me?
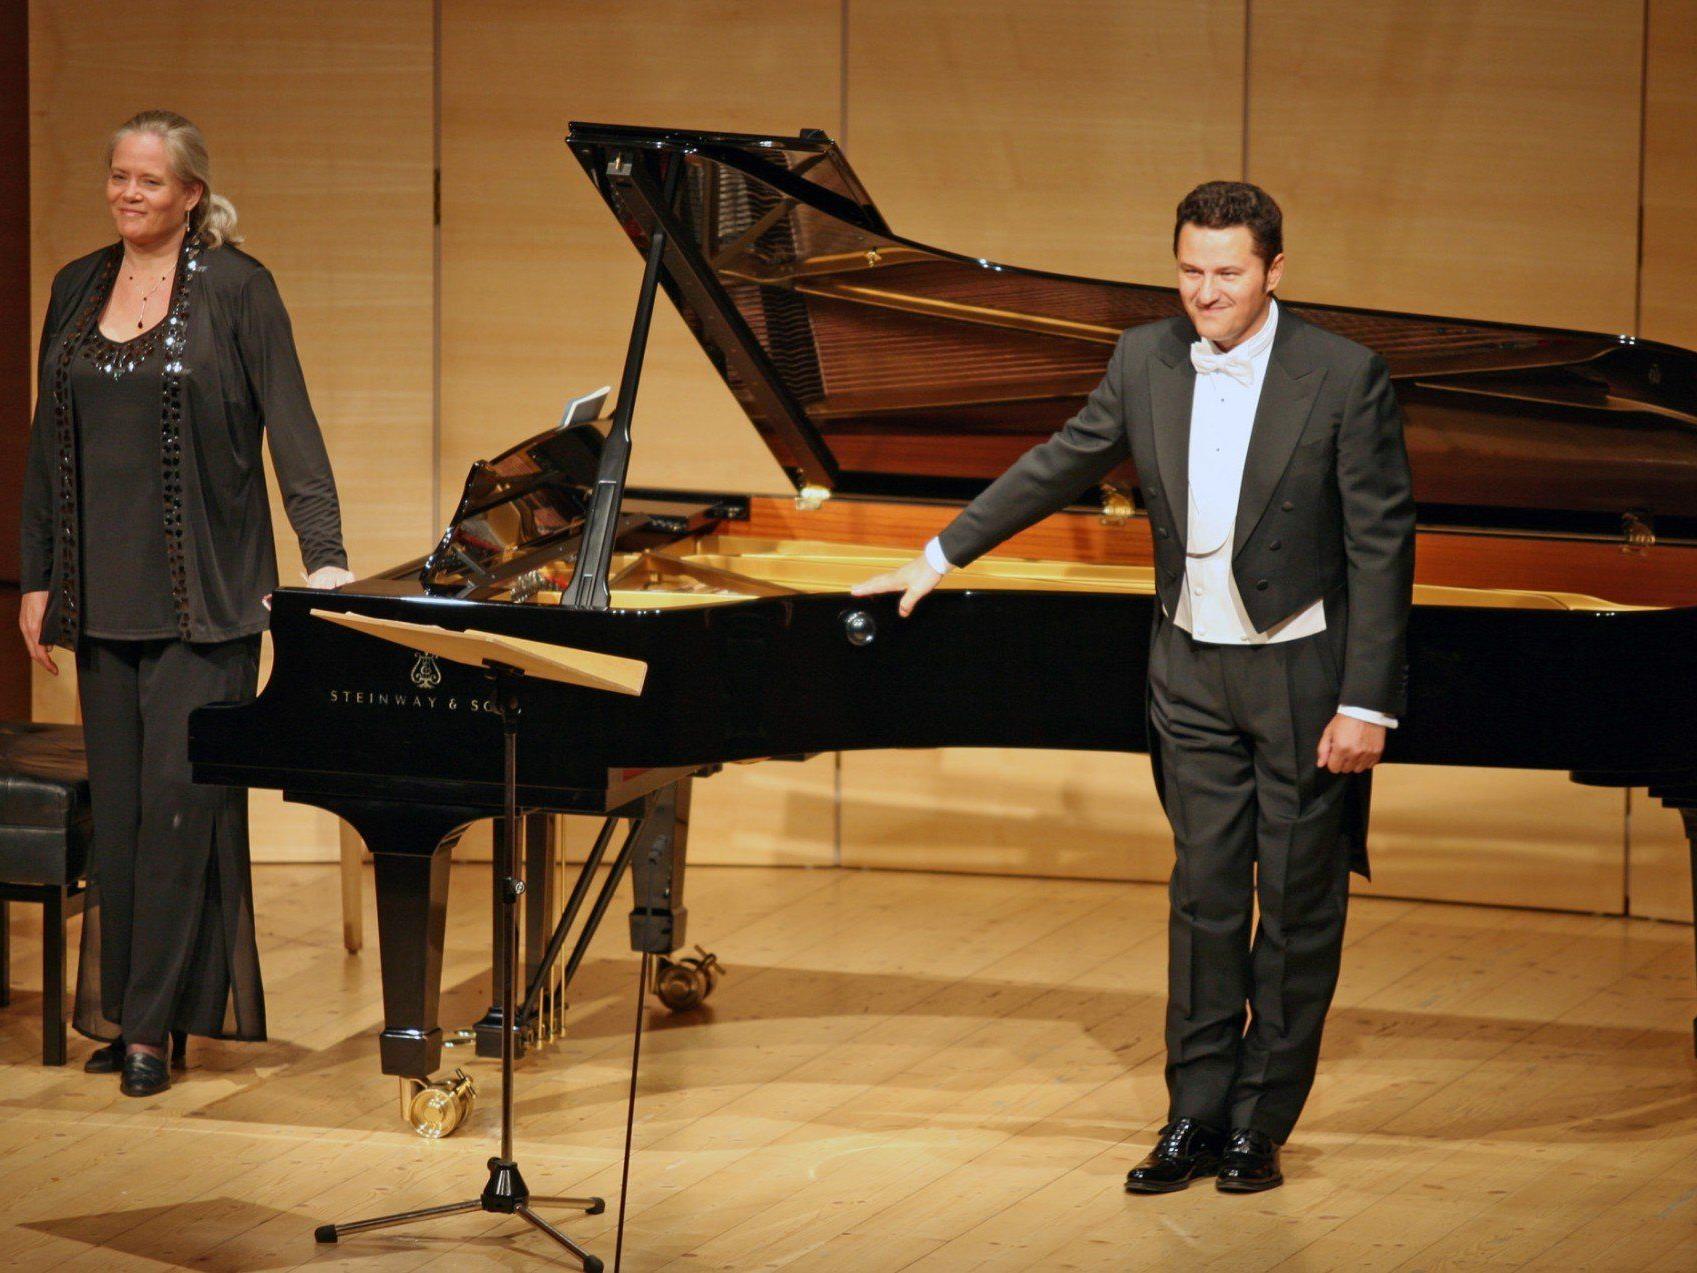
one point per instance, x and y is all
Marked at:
(213, 218)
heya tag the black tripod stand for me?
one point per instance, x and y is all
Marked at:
(506, 1192)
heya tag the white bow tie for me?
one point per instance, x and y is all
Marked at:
(1232, 364)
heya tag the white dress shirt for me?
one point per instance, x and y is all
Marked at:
(1222, 416)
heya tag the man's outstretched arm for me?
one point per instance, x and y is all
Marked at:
(1044, 480)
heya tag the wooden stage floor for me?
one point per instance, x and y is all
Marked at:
(900, 1071)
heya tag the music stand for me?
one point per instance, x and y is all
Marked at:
(506, 660)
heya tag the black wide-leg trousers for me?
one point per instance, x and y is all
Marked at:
(168, 935)
(1254, 820)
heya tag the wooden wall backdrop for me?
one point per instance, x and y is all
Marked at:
(1058, 136)
(318, 116)
(538, 281)
(1466, 157)
(17, 343)
(1668, 302)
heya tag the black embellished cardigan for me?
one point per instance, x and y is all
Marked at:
(231, 378)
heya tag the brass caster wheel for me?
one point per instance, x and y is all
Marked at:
(434, 1110)
(684, 984)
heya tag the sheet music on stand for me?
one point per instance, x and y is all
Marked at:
(587, 407)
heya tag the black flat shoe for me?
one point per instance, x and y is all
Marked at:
(1187, 1149)
(144, 1075)
(1251, 1164)
(106, 1059)
(109, 1058)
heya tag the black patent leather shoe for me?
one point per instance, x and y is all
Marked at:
(1251, 1164)
(106, 1059)
(144, 1075)
(1187, 1149)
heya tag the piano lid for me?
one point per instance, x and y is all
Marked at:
(874, 365)
(520, 518)
(517, 512)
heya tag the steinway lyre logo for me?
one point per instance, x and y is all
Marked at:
(425, 674)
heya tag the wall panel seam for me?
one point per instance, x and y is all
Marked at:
(436, 268)
(1643, 140)
(1243, 137)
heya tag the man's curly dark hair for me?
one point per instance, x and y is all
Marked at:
(1219, 205)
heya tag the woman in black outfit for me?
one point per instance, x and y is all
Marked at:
(147, 550)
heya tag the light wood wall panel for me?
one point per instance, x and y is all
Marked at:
(1059, 136)
(1462, 157)
(538, 281)
(774, 813)
(1080, 814)
(1669, 259)
(318, 118)
(1659, 860)
(1504, 837)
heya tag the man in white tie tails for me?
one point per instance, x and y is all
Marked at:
(1271, 460)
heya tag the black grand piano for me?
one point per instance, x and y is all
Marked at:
(1556, 606)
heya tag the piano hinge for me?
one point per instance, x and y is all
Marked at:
(1639, 531)
(811, 497)
(1117, 508)
(619, 165)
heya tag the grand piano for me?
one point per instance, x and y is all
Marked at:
(1555, 624)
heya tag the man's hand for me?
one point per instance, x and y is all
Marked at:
(328, 577)
(32, 607)
(913, 581)
(1351, 746)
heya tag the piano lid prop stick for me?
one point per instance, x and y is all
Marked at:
(588, 668)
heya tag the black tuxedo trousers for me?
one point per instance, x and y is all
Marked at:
(1254, 819)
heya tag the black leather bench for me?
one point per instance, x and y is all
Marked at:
(44, 835)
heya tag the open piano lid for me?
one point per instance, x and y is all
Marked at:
(520, 519)
(874, 365)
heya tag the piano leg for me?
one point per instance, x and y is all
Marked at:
(353, 919)
(1688, 812)
(540, 904)
(532, 851)
(658, 917)
(411, 846)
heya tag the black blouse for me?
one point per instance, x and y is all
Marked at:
(230, 381)
(115, 389)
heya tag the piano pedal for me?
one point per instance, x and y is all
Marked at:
(434, 1110)
(544, 1025)
(684, 984)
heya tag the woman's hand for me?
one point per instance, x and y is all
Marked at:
(912, 580)
(328, 577)
(32, 607)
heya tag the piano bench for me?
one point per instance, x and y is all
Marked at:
(45, 828)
